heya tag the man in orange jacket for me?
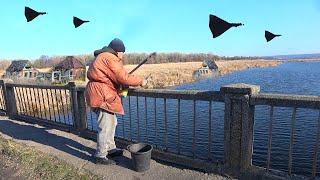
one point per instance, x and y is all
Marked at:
(106, 75)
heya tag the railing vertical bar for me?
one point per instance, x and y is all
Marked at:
(178, 124)
(25, 100)
(291, 140)
(210, 131)
(63, 107)
(1, 98)
(165, 123)
(270, 138)
(155, 121)
(138, 118)
(49, 105)
(130, 118)
(44, 104)
(17, 92)
(21, 99)
(68, 113)
(68, 101)
(17, 99)
(146, 116)
(57, 104)
(40, 104)
(66, 106)
(91, 120)
(19, 109)
(194, 130)
(316, 148)
(122, 118)
(30, 102)
(54, 103)
(23, 106)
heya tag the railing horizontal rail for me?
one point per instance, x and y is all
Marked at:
(37, 86)
(284, 100)
(175, 94)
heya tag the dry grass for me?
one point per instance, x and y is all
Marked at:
(226, 67)
(170, 74)
(167, 74)
(33, 164)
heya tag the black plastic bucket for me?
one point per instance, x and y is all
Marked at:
(141, 156)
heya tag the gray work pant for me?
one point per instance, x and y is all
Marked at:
(107, 123)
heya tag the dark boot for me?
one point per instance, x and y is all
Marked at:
(104, 161)
(115, 152)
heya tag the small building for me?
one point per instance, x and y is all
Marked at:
(21, 69)
(69, 69)
(209, 67)
(210, 64)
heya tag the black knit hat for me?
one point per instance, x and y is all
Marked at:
(117, 45)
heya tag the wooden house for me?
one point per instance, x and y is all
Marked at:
(21, 69)
(68, 69)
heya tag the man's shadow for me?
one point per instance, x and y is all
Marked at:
(42, 136)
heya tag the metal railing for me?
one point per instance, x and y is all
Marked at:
(294, 102)
(147, 119)
(52, 103)
(174, 122)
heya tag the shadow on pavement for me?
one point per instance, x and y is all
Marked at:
(42, 136)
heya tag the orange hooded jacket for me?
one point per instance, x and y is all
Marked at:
(105, 75)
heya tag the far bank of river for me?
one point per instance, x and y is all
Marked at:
(172, 74)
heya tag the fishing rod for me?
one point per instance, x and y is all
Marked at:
(124, 90)
(143, 62)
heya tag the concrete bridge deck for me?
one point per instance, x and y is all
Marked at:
(77, 151)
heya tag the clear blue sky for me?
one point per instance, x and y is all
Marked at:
(159, 25)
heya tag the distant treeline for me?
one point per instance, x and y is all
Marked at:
(130, 58)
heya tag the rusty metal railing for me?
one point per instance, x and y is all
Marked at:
(295, 102)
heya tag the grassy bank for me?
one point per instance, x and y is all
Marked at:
(170, 74)
(28, 163)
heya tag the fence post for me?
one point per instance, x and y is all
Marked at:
(10, 100)
(78, 108)
(3, 98)
(238, 126)
(82, 110)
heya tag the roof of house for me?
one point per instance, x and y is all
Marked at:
(70, 62)
(210, 63)
(18, 65)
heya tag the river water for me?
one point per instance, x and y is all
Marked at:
(291, 78)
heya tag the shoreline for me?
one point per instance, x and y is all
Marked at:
(173, 74)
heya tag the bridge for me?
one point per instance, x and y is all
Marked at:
(64, 108)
